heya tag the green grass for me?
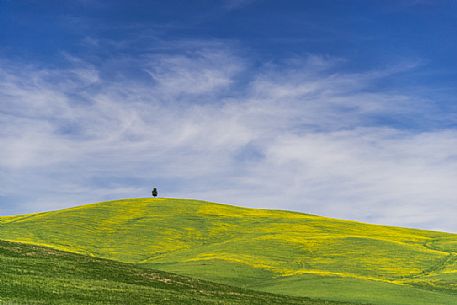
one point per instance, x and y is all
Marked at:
(39, 275)
(276, 251)
(357, 290)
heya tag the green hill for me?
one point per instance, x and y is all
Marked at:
(38, 275)
(273, 251)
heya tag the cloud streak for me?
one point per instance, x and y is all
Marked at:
(206, 123)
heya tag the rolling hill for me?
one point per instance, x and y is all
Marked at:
(39, 275)
(267, 250)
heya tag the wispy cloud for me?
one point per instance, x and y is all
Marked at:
(204, 123)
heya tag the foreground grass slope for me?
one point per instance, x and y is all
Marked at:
(38, 275)
(275, 251)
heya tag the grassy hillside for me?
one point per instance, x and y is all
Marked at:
(38, 275)
(275, 251)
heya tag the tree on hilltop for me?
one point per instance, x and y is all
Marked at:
(154, 192)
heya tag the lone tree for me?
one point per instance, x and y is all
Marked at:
(154, 192)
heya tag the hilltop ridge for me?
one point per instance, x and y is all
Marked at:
(270, 250)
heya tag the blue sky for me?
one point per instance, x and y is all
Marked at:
(339, 108)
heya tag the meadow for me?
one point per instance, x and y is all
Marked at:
(39, 275)
(273, 251)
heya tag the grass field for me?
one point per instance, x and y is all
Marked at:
(38, 275)
(273, 251)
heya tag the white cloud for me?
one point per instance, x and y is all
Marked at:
(196, 74)
(295, 135)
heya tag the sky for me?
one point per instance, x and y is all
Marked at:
(345, 109)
